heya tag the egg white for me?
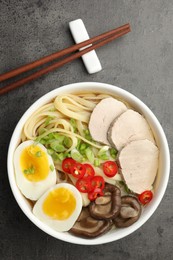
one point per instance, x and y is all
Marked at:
(59, 225)
(32, 190)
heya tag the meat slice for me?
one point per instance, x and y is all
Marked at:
(102, 116)
(139, 163)
(128, 127)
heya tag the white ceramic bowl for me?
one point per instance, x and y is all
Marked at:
(160, 183)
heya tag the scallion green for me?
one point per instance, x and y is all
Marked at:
(30, 170)
(57, 147)
(50, 151)
(103, 153)
(87, 135)
(52, 167)
(89, 154)
(75, 154)
(113, 153)
(48, 120)
(73, 123)
(96, 162)
(38, 154)
(67, 141)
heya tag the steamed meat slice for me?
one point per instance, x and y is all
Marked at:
(128, 127)
(102, 116)
(139, 163)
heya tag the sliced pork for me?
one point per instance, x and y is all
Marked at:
(128, 127)
(102, 116)
(139, 163)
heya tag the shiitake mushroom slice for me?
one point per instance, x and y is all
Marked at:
(129, 213)
(89, 227)
(107, 206)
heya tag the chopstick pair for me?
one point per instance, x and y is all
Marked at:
(96, 42)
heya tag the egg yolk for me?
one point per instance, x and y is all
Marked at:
(59, 204)
(34, 163)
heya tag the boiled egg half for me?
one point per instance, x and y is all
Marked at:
(34, 169)
(59, 207)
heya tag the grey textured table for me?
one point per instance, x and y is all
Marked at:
(141, 62)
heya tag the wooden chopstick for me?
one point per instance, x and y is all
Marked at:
(59, 54)
(101, 39)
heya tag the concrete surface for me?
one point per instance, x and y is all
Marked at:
(141, 62)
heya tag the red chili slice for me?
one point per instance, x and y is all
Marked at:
(110, 168)
(67, 164)
(84, 184)
(78, 170)
(145, 197)
(89, 170)
(97, 182)
(92, 195)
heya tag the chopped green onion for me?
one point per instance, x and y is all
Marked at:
(89, 154)
(52, 167)
(67, 142)
(67, 155)
(51, 136)
(86, 131)
(61, 156)
(50, 151)
(42, 131)
(113, 153)
(49, 141)
(104, 156)
(58, 157)
(104, 153)
(87, 135)
(103, 149)
(37, 140)
(59, 137)
(83, 146)
(79, 141)
(57, 147)
(46, 138)
(38, 154)
(73, 123)
(48, 120)
(42, 141)
(97, 162)
(55, 157)
(75, 154)
(30, 170)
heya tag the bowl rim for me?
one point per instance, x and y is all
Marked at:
(120, 233)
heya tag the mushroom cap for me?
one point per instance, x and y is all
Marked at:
(129, 213)
(107, 206)
(88, 227)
